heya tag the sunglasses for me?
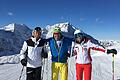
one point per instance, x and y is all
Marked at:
(56, 33)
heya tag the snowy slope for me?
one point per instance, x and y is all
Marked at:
(101, 69)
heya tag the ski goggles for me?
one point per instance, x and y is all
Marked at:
(56, 33)
(79, 35)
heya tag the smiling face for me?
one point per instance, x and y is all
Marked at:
(37, 34)
(57, 36)
(79, 37)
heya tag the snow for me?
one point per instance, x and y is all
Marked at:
(101, 68)
(9, 27)
(66, 28)
(10, 67)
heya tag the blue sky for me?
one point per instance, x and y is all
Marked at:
(99, 18)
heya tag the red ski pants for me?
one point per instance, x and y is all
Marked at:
(83, 68)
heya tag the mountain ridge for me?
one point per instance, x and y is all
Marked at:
(13, 35)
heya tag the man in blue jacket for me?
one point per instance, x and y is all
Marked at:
(59, 47)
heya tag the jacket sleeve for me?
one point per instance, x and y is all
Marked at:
(23, 50)
(73, 51)
(96, 47)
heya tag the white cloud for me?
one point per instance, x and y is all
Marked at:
(98, 20)
(10, 13)
(82, 19)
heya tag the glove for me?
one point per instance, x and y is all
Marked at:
(68, 54)
(44, 54)
(114, 51)
(24, 62)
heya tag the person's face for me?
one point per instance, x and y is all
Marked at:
(78, 39)
(57, 36)
(37, 34)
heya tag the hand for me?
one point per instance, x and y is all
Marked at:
(44, 54)
(24, 62)
(114, 51)
(68, 54)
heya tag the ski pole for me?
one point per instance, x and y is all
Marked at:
(47, 68)
(21, 73)
(43, 69)
(113, 66)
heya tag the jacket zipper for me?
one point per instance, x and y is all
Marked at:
(59, 50)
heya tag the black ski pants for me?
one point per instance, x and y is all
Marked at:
(34, 73)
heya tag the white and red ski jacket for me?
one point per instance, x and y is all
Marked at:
(82, 51)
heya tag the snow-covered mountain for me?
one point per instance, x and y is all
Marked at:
(108, 43)
(68, 31)
(11, 40)
(12, 37)
(66, 28)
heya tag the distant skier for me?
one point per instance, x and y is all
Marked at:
(81, 49)
(59, 47)
(32, 53)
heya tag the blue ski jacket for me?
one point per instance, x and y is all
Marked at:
(60, 55)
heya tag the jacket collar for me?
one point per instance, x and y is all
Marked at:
(34, 39)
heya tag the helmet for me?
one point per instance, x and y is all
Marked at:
(56, 30)
(78, 33)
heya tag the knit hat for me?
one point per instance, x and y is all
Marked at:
(37, 29)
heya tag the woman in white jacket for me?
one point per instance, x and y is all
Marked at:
(82, 47)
